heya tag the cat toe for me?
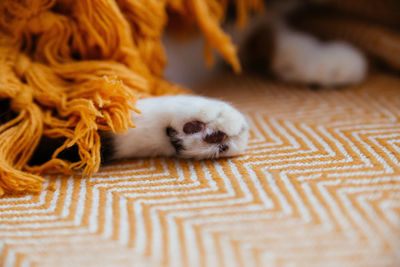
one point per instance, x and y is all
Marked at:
(174, 139)
(193, 127)
(215, 137)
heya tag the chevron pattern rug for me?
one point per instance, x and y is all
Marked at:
(319, 186)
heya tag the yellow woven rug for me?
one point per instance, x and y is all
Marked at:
(319, 186)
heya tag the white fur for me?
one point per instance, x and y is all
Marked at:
(302, 58)
(149, 138)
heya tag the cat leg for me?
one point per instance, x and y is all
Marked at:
(183, 126)
(299, 57)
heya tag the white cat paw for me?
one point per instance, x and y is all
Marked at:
(204, 128)
(184, 126)
(303, 59)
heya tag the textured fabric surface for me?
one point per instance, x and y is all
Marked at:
(319, 186)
